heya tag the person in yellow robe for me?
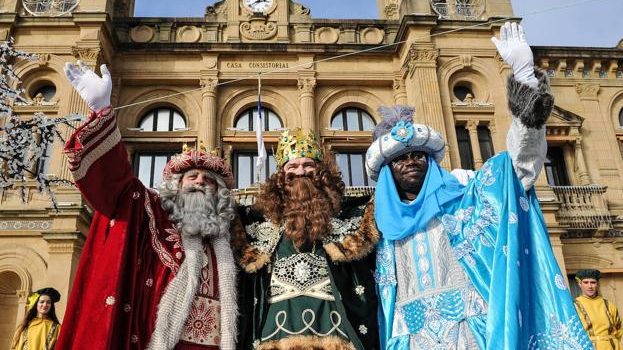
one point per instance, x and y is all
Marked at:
(40, 328)
(599, 317)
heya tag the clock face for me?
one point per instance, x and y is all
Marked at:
(258, 6)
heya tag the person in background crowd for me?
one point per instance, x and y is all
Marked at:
(599, 317)
(40, 328)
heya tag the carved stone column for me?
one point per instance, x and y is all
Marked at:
(207, 129)
(580, 163)
(601, 148)
(228, 153)
(116, 90)
(422, 88)
(22, 299)
(472, 127)
(64, 253)
(554, 237)
(306, 87)
(400, 91)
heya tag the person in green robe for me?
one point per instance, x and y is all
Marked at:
(307, 255)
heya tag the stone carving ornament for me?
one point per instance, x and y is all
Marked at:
(372, 35)
(258, 29)
(327, 35)
(188, 34)
(142, 34)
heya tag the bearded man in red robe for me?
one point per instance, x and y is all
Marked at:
(157, 270)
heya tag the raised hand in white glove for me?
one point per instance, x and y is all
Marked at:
(515, 51)
(95, 91)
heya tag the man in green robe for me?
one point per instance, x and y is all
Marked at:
(306, 252)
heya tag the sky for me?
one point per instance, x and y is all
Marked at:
(593, 23)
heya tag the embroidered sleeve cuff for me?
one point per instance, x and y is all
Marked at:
(98, 135)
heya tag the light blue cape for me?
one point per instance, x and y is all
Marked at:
(497, 232)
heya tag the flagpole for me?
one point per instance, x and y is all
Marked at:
(259, 133)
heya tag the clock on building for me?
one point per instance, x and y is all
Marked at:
(259, 6)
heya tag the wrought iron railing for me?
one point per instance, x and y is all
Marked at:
(583, 207)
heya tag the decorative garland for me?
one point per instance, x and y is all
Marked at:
(23, 143)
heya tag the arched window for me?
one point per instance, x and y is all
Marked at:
(46, 92)
(11, 285)
(162, 119)
(246, 120)
(352, 119)
(463, 92)
(621, 118)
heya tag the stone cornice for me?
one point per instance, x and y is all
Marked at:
(577, 52)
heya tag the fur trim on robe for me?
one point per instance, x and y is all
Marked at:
(353, 246)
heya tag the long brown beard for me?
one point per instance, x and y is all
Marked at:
(307, 211)
(304, 205)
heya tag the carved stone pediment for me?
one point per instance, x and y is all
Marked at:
(258, 29)
(562, 116)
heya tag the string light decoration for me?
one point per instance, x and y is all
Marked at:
(23, 142)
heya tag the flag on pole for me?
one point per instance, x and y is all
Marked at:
(259, 131)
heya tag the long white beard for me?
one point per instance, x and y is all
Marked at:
(199, 219)
(198, 212)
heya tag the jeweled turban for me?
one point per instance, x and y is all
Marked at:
(396, 135)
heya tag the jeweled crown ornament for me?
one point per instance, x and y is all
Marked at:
(297, 143)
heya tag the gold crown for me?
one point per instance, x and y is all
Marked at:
(297, 143)
(202, 148)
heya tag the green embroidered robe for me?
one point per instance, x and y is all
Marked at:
(322, 296)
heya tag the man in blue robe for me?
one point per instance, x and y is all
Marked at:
(465, 261)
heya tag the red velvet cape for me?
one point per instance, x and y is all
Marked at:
(132, 251)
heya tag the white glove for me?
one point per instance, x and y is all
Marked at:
(95, 91)
(515, 51)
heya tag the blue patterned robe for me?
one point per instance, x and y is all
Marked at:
(481, 275)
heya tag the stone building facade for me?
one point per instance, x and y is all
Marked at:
(189, 80)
